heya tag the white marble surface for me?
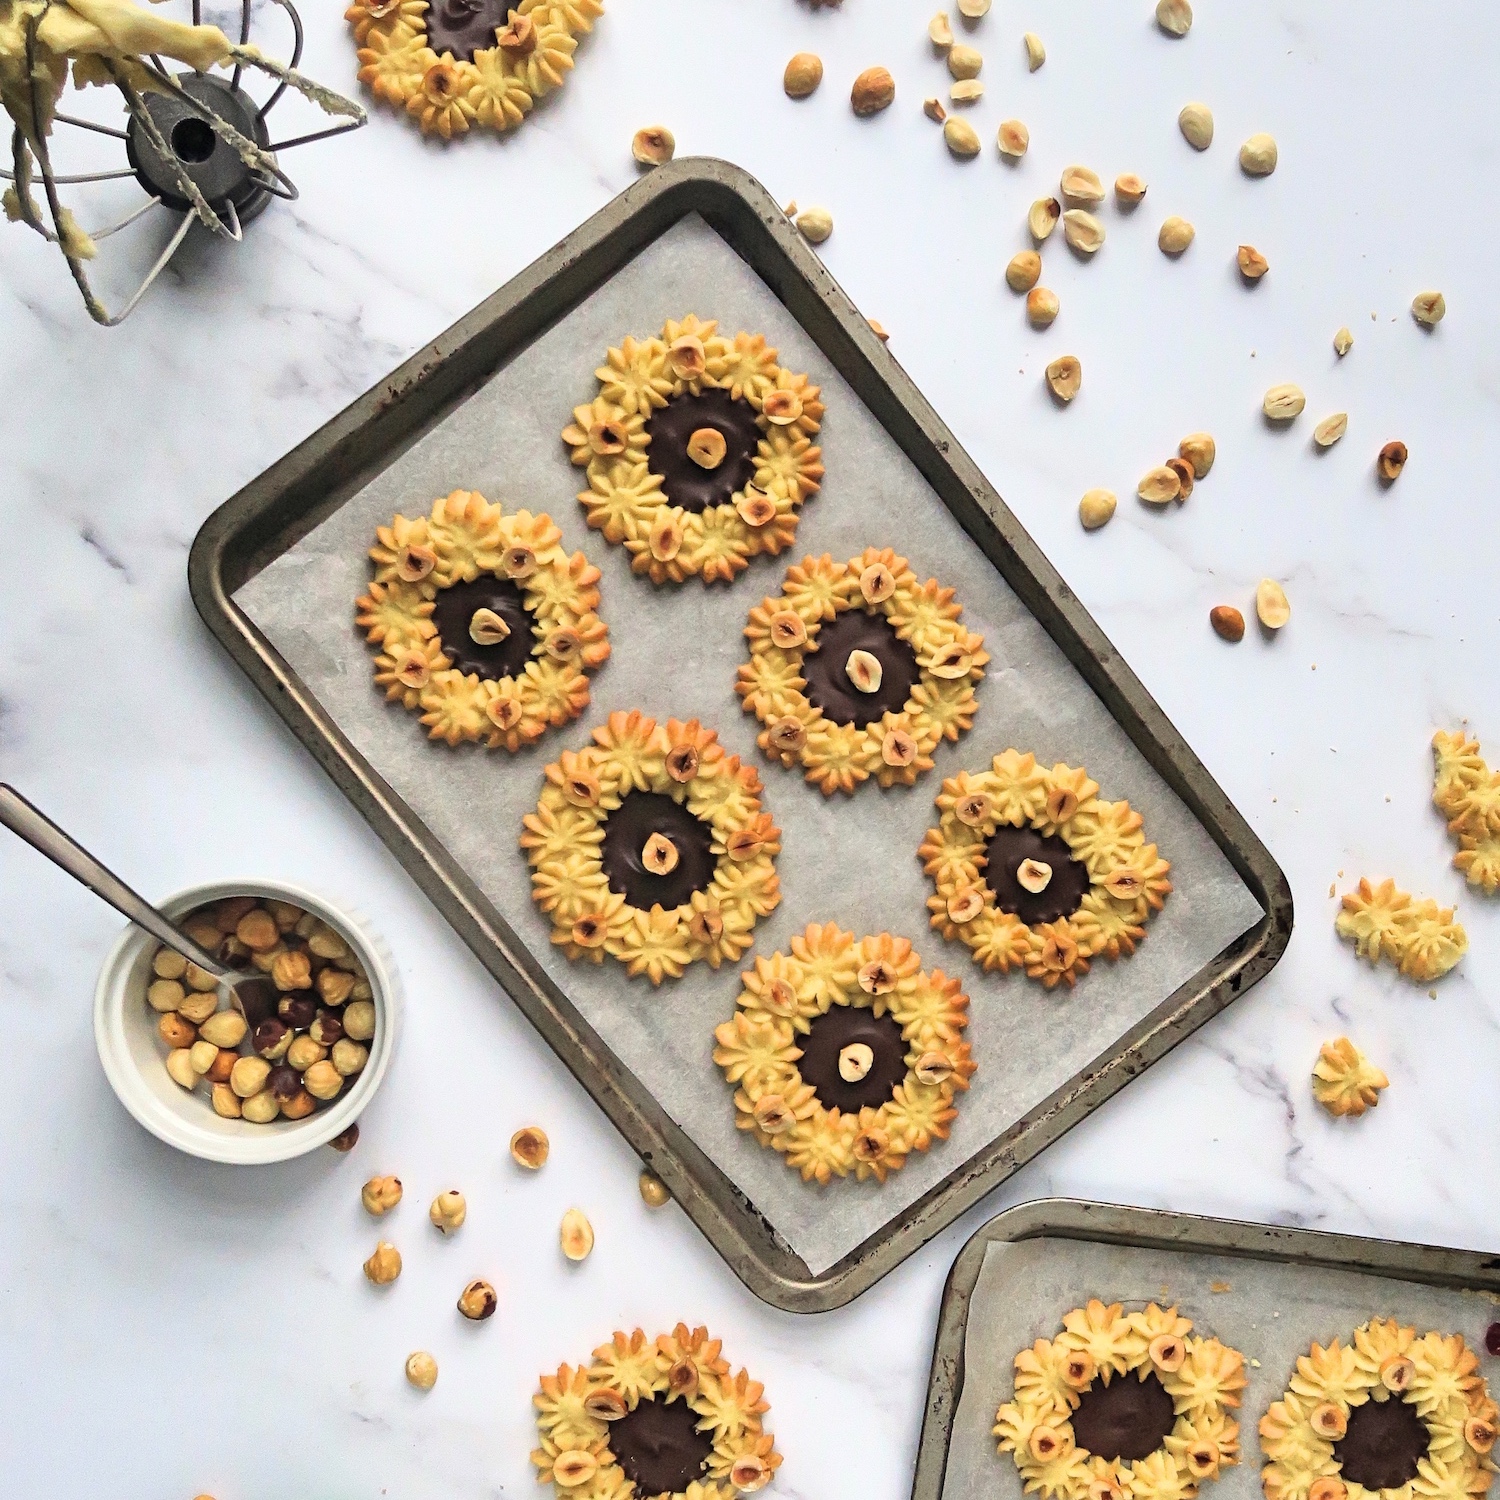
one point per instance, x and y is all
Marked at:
(176, 1328)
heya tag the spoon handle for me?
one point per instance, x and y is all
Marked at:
(17, 814)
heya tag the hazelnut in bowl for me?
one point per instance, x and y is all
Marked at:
(190, 1069)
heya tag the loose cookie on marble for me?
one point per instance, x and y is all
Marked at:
(456, 64)
(699, 451)
(847, 1056)
(1467, 793)
(1419, 937)
(650, 845)
(1123, 1405)
(1034, 871)
(1345, 1081)
(857, 670)
(662, 1418)
(483, 623)
(1391, 1415)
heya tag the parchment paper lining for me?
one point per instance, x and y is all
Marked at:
(849, 860)
(1270, 1313)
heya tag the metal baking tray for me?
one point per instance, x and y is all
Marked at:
(276, 510)
(1228, 1240)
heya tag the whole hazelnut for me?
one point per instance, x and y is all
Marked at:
(165, 996)
(477, 1301)
(349, 1057)
(326, 1028)
(284, 1082)
(380, 1195)
(422, 1370)
(248, 1076)
(359, 1020)
(299, 1106)
(269, 1036)
(227, 1102)
(297, 1011)
(304, 1052)
(176, 1032)
(261, 1108)
(653, 1190)
(448, 1210)
(384, 1265)
(346, 1140)
(323, 1080)
(335, 986)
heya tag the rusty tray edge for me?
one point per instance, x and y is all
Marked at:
(281, 505)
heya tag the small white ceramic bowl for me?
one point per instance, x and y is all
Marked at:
(135, 1061)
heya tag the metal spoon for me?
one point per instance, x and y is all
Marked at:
(253, 995)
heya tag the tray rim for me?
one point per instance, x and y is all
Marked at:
(1156, 1229)
(291, 497)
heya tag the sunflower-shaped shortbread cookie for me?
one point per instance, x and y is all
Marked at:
(1419, 937)
(1392, 1415)
(1467, 793)
(858, 670)
(847, 1056)
(1345, 1081)
(650, 845)
(1034, 870)
(454, 64)
(482, 622)
(654, 1419)
(699, 451)
(1123, 1406)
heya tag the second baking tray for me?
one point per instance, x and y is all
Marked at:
(1267, 1291)
(274, 573)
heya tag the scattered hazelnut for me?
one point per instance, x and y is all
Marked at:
(384, 1265)
(803, 74)
(1036, 53)
(1034, 875)
(855, 1061)
(873, 90)
(1331, 429)
(448, 1210)
(653, 145)
(1184, 472)
(940, 30)
(1159, 485)
(1065, 377)
(1199, 450)
(654, 1194)
(180, 1068)
(226, 1102)
(380, 1195)
(960, 137)
(1390, 461)
(1096, 508)
(1081, 185)
(261, 1108)
(1174, 16)
(165, 995)
(248, 1076)
(1041, 307)
(1283, 402)
(1228, 622)
(1012, 139)
(1174, 236)
(359, 1020)
(815, 224)
(1042, 217)
(529, 1147)
(877, 583)
(1129, 189)
(876, 977)
(323, 1080)
(864, 671)
(933, 109)
(576, 1235)
(421, 1370)
(706, 447)
(1197, 125)
(1258, 155)
(1253, 265)
(346, 1140)
(1271, 604)
(1428, 308)
(1023, 271)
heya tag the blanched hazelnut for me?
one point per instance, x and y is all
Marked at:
(165, 995)
(576, 1235)
(303, 1053)
(864, 671)
(653, 1194)
(261, 1108)
(448, 1210)
(877, 583)
(226, 1102)
(1034, 875)
(299, 1106)
(327, 1027)
(706, 447)
(168, 964)
(257, 930)
(176, 1032)
(284, 914)
(477, 1301)
(248, 1076)
(771, 1114)
(855, 1061)
(573, 1467)
(323, 1080)
(384, 1265)
(334, 986)
(199, 979)
(180, 1068)
(421, 1370)
(349, 1057)
(198, 1007)
(788, 630)
(787, 735)
(326, 943)
(964, 905)
(359, 1020)
(226, 1028)
(876, 977)
(380, 1195)
(529, 1147)
(203, 1056)
(291, 971)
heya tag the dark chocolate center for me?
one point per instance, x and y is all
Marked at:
(828, 685)
(1063, 893)
(1128, 1418)
(834, 1030)
(463, 27)
(454, 608)
(625, 833)
(1382, 1445)
(686, 483)
(659, 1447)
